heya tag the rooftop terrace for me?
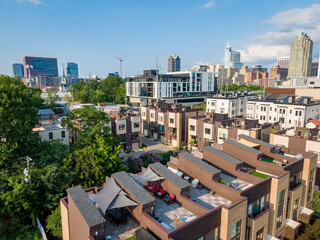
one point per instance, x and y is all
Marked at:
(206, 199)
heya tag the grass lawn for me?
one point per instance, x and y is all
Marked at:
(202, 105)
(268, 160)
(130, 238)
(260, 175)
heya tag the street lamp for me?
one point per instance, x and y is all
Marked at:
(26, 172)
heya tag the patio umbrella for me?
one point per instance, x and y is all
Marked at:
(121, 200)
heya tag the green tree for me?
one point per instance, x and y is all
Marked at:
(53, 222)
(312, 232)
(18, 116)
(96, 153)
(316, 201)
(51, 101)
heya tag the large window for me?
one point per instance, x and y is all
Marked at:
(222, 136)
(281, 197)
(122, 126)
(152, 115)
(259, 235)
(160, 118)
(136, 125)
(279, 219)
(192, 128)
(207, 130)
(50, 135)
(295, 209)
(236, 231)
(63, 134)
(171, 120)
(143, 114)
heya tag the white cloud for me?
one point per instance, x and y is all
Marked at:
(209, 4)
(265, 48)
(37, 2)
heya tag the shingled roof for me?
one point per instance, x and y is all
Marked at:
(202, 164)
(256, 141)
(253, 150)
(224, 155)
(90, 213)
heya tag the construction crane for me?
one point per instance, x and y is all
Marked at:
(120, 59)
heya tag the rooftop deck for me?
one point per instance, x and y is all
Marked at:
(204, 198)
(123, 231)
(234, 182)
(168, 213)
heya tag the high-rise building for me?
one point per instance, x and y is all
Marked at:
(34, 66)
(283, 62)
(314, 69)
(174, 63)
(276, 72)
(232, 58)
(300, 56)
(70, 69)
(17, 70)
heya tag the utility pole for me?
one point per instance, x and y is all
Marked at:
(121, 60)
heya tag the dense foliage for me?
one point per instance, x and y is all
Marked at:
(56, 167)
(312, 231)
(235, 87)
(111, 89)
(316, 201)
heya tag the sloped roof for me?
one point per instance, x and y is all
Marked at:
(90, 213)
(133, 188)
(166, 173)
(255, 151)
(224, 155)
(256, 141)
(202, 164)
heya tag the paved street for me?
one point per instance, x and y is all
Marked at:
(153, 147)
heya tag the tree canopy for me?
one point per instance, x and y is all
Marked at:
(111, 89)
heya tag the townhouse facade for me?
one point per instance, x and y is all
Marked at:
(232, 103)
(167, 122)
(249, 190)
(286, 109)
(214, 128)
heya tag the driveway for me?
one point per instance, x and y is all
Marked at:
(153, 147)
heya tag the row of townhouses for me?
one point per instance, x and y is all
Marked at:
(248, 190)
(285, 109)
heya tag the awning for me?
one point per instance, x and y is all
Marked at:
(121, 200)
(105, 197)
(148, 175)
(248, 143)
(269, 237)
(293, 224)
(306, 211)
(111, 196)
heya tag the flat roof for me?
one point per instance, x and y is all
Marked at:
(224, 155)
(257, 141)
(89, 212)
(166, 173)
(133, 188)
(202, 164)
(255, 151)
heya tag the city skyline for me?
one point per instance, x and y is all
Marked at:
(93, 35)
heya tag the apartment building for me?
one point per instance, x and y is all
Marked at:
(167, 122)
(49, 127)
(214, 128)
(285, 109)
(173, 87)
(126, 127)
(250, 190)
(232, 103)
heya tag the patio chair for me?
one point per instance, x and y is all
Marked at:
(195, 183)
(169, 198)
(152, 187)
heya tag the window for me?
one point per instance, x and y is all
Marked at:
(160, 118)
(290, 111)
(236, 231)
(152, 115)
(207, 130)
(143, 114)
(281, 196)
(295, 209)
(136, 125)
(122, 126)
(50, 135)
(192, 128)
(63, 134)
(279, 219)
(171, 120)
(259, 235)
(222, 136)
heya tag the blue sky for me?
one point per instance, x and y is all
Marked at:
(93, 32)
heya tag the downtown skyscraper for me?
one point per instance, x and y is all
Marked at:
(300, 56)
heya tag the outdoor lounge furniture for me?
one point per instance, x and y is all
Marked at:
(195, 183)
(161, 193)
(152, 187)
(169, 198)
(182, 220)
